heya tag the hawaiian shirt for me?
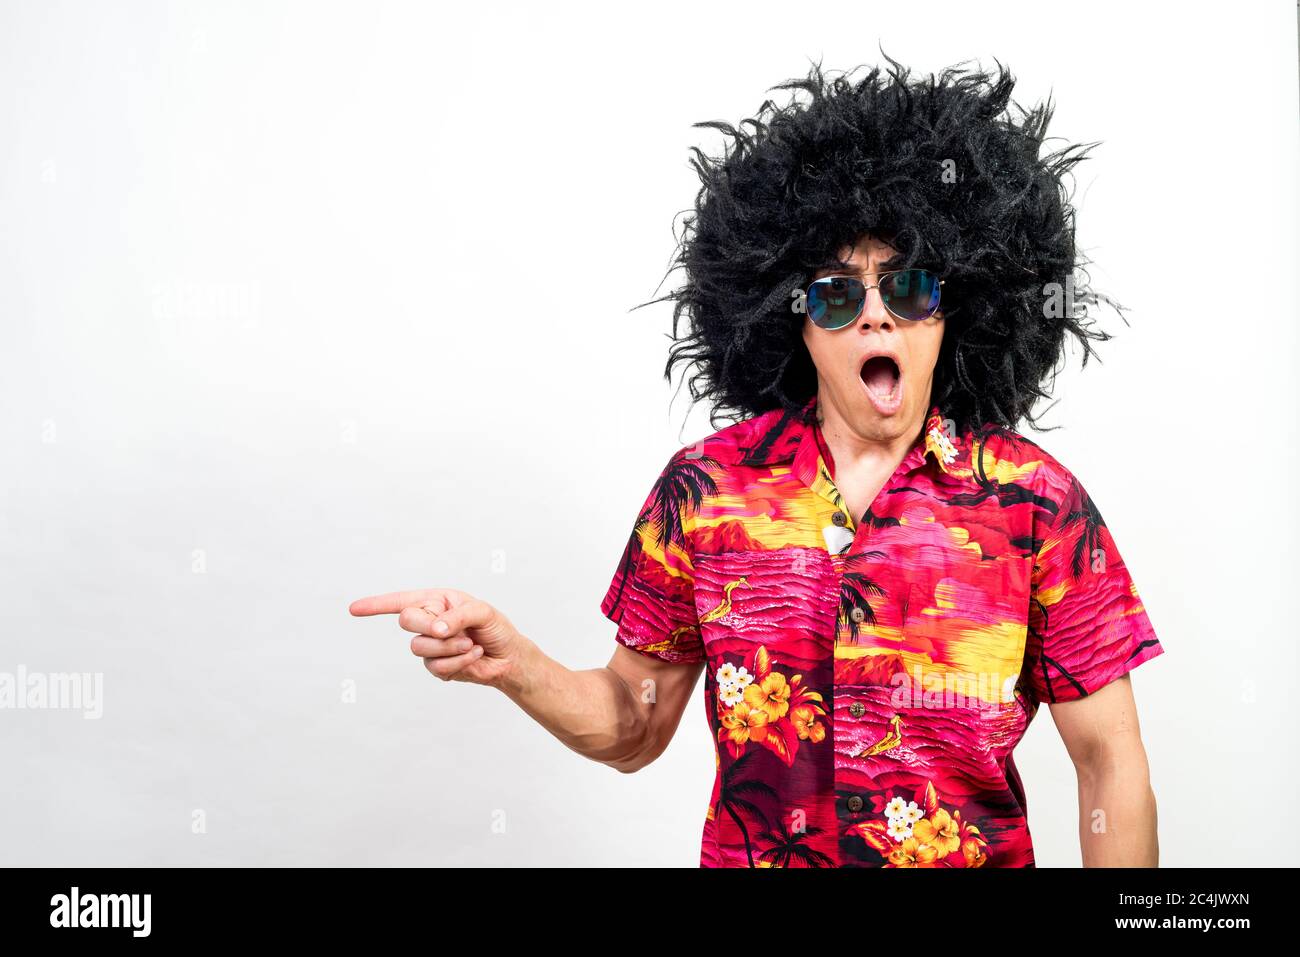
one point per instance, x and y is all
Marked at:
(868, 677)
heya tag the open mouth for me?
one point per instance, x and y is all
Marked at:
(884, 383)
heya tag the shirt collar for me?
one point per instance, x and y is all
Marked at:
(805, 444)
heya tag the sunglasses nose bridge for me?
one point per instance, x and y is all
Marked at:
(877, 312)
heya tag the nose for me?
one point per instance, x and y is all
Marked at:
(874, 314)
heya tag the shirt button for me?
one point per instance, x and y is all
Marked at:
(858, 615)
(855, 804)
(857, 709)
(840, 519)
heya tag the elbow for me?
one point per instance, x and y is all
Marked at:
(1101, 763)
(632, 763)
(643, 755)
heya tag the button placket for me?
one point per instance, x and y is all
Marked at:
(846, 536)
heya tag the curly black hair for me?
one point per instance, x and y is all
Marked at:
(940, 170)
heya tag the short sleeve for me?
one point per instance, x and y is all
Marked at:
(652, 596)
(1087, 625)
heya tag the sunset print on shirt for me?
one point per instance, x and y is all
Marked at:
(867, 678)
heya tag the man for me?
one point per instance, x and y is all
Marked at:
(880, 578)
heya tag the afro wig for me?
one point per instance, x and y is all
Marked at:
(937, 168)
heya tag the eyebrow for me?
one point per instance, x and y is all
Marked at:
(840, 270)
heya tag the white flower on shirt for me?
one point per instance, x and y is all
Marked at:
(946, 448)
(731, 695)
(900, 829)
(896, 808)
(729, 676)
(732, 682)
(908, 812)
(902, 815)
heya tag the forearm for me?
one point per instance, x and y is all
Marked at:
(592, 712)
(1117, 814)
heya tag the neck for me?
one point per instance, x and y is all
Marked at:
(851, 449)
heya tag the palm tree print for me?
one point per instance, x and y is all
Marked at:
(786, 846)
(733, 797)
(1010, 436)
(767, 439)
(1007, 494)
(1044, 662)
(1083, 512)
(869, 519)
(1027, 544)
(857, 590)
(683, 484)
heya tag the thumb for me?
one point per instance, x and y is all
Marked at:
(471, 614)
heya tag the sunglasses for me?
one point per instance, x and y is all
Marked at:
(837, 301)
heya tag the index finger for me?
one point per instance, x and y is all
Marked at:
(395, 601)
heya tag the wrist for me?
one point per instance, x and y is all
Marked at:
(520, 669)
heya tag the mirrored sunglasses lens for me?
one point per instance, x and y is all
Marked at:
(834, 303)
(912, 293)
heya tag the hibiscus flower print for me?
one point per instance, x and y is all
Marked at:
(921, 833)
(758, 704)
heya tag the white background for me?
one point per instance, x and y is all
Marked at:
(241, 250)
